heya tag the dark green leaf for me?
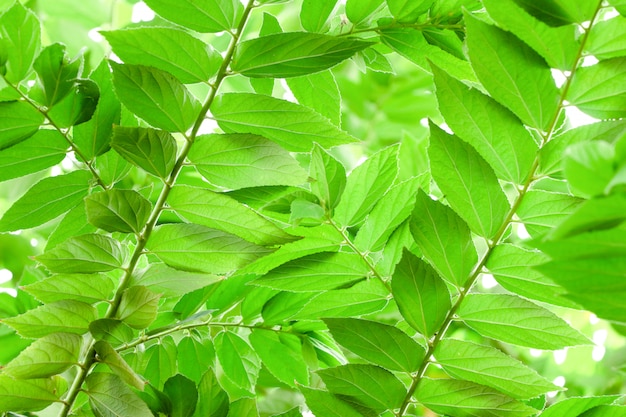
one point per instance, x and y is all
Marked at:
(18, 121)
(56, 73)
(26, 395)
(78, 106)
(83, 255)
(152, 150)
(87, 288)
(138, 307)
(108, 355)
(183, 396)
(42, 150)
(112, 398)
(212, 399)
(67, 316)
(202, 16)
(113, 331)
(20, 32)
(194, 357)
(325, 404)
(282, 355)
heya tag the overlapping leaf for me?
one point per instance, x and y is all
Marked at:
(112, 398)
(90, 288)
(84, 254)
(202, 16)
(67, 316)
(152, 150)
(118, 210)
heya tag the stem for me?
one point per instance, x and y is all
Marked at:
(546, 137)
(89, 358)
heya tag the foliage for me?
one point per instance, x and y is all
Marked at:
(221, 217)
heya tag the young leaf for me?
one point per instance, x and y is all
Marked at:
(26, 395)
(87, 288)
(194, 357)
(112, 398)
(56, 73)
(170, 282)
(462, 398)
(366, 185)
(292, 54)
(108, 355)
(212, 399)
(325, 404)
(320, 92)
(155, 96)
(111, 330)
(422, 297)
(514, 74)
(182, 394)
(20, 32)
(185, 57)
(18, 121)
(40, 151)
(367, 385)
(239, 361)
(512, 319)
(191, 247)
(315, 13)
(242, 160)
(83, 255)
(151, 150)
(138, 307)
(66, 316)
(45, 357)
(444, 239)
(282, 355)
(488, 366)
(201, 16)
(381, 344)
(294, 127)
(576, 406)
(118, 210)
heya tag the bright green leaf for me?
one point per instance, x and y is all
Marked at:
(359, 11)
(26, 395)
(315, 13)
(588, 167)
(239, 361)
(160, 362)
(108, 355)
(78, 106)
(84, 254)
(199, 15)
(325, 404)
(150, 149)
(118, 210)
(408, 10)
(328, 177)
(243, 407)
(606, 40)
(112, 331)
(194, 357)
(67, 316)
(73, 223)
(20, 32)
(541, 210)
(282, 356)
(42, 150)
(87, 288)
(56, 73)
(320, 92)
(576, 406)
(138, 307)
(182, 394)
(18, 121)
(112, 398)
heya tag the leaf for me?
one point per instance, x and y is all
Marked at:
(212, 399)
(243, 407)
(292, 54)
(381, 344)
(87, 288)
(514, 320)
(466, 399)
(67, 316)
(201, 16)
(197, 248)
(108, 355)
(366, 185)
(26, 395)
(20, 32)
(422, 297)
(367, 385)
(160, 362)
(358, 11)
(112, 331)
(111, 398)
(328, 177)
(317, 272)
(320, 92)
(314, 14)
(593, 244)
(138, 307)
(84, 254)
(408, 10)
(56, 73)
(116, 210)
(444, 239)
(488, 366)
(514, 74)
(468, 183)
(606, 40)
(242, 160)
(588, 167)
(185, 57)
(606, 411)
(541, 210)
(282, 355)
(40, 151)
(78, 106)
(194, 357)
(73, 223)
(325, 404)
(18, 121)
(576, 406)
(46, 200)
(239, 361)
(495, 132)
(151, 150)
(155, 96)
(170, 282)
(292, 126)
(183, 395)
(45, 357)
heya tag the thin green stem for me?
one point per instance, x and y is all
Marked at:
(89, 358)
(463, 292)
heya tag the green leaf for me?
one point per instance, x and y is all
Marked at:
(241, 160)
(45, 357)
(366, 185)
(197, 248)
(381, 344)
(87, 288)
(495, 132)
(294, 127)
(468, 183)
(201, 16)
(541, 210)
(606, 411)
(328, 177)
(78, 106)
(56, 73)
(112, 168)
(444, 239)
(606, 40)
(151, 150)
(488, 366)
(314, 14)
(243, 407)
(73, 223)
(170, 282)
(588, 167)
(514, 74)
(597, 91)
(514, 320)
(84, 254)
(466, 399)
(408, 10)
(292, 54)
(42, 150)
(183, 395)
(20, 34)
(26, 395)
(358, 11)
(138, 307)
(422, 297)
(212, 399)
(194, 357)
(67, 316)
(576, 406)
(239, 361)
(367, 385)
(18, 121)
(185, 57)
(112, 331)
(118, 210)
(320, 92)
(325, 404)
(317, 272)
(160, 362)
(604, 243)
(282, 355)
(112, 398)
(155, 96)
(108, 355)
